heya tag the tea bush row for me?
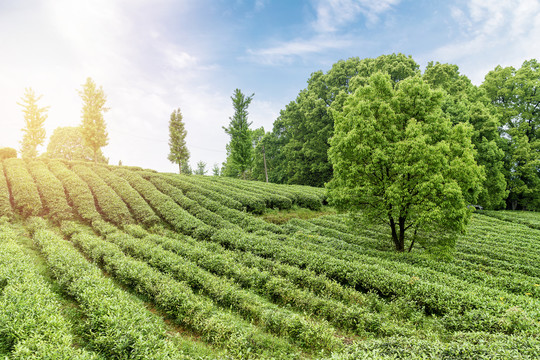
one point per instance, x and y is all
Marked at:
(176, 298)
(52, 192)
(24, 192)
(78, 192)
(142, 212)
(110, 205)
(31, 323)
(280, 321)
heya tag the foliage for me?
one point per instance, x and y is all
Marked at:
(216, 170)
(466, 103)
(78, 192)
(26, 200)
(514, 93)
(240, 147)
(400, 162)
(34, 117)
(5, 202)
(93, 125)
(7, 153)
(67, 143)
(201, 168)
(296, 149)
(51, 191)
(179, 153)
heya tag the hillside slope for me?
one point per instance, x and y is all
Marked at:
(164, 266)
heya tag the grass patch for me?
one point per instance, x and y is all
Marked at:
(279, 217)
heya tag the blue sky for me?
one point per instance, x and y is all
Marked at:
(152, 57)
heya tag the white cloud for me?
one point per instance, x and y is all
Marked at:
(333, 14)
(286, 52)
(492, 33)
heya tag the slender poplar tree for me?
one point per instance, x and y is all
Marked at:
(93, 125)
(34, 117)
(179, 153)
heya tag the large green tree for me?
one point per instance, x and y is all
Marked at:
(515, 92)
(399, 161)
(179, 153)
(34, 117)
(93, 124)
(240, 146)
(67, 143)
(297, 148)
(464, 102)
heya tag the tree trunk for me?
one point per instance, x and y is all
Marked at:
(95, 156)
(399, 239)
(180, 168)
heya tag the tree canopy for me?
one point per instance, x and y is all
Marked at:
(179, 153)
(93, 125)
(240, 146)
(399, 161)
(34, 118)
(67, 143)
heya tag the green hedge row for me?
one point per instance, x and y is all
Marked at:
(79, 193)
(52, 192)
(272, 199)
(245, 220)
(31, 323)
(118, 326)
(142, 212)
(193, 207)
(109, 204)
(177, 299)
(271, 318)
(183, 183)
(163, 205)
(24, 191)
(435, 297)
(277, 288)
(251, 202)
(5, 202)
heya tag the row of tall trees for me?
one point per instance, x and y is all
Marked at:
(72, 143)
(503, 113)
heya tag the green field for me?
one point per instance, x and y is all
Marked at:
(107, 262)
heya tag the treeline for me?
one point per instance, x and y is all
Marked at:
(504, 112)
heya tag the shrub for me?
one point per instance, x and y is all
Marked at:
(7, 153)
(25, 194)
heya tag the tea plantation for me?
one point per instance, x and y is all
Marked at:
(108, 262)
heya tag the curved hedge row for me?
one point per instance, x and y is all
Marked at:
(24, 191)
(31, 323)
(78, 191)
(177, 217)
(140, 209)
(178, 300)
(119, 326)
(193, 207)
(5, 202)
(251, 203)
(221, 262)
(110, 205)
(52, 192)
(182, 182)
(282, 322)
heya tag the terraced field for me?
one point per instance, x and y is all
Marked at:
(106, 262)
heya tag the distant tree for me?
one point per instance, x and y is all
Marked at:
(68, 143)
(240, 148)
(515, 93)
(201, 168)
(34, 117)
(186, 169)
(215, 170)
(398, 161)
(7, 153)
(93, 125)
(120, 163)
(179, 153)
(464, 102)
